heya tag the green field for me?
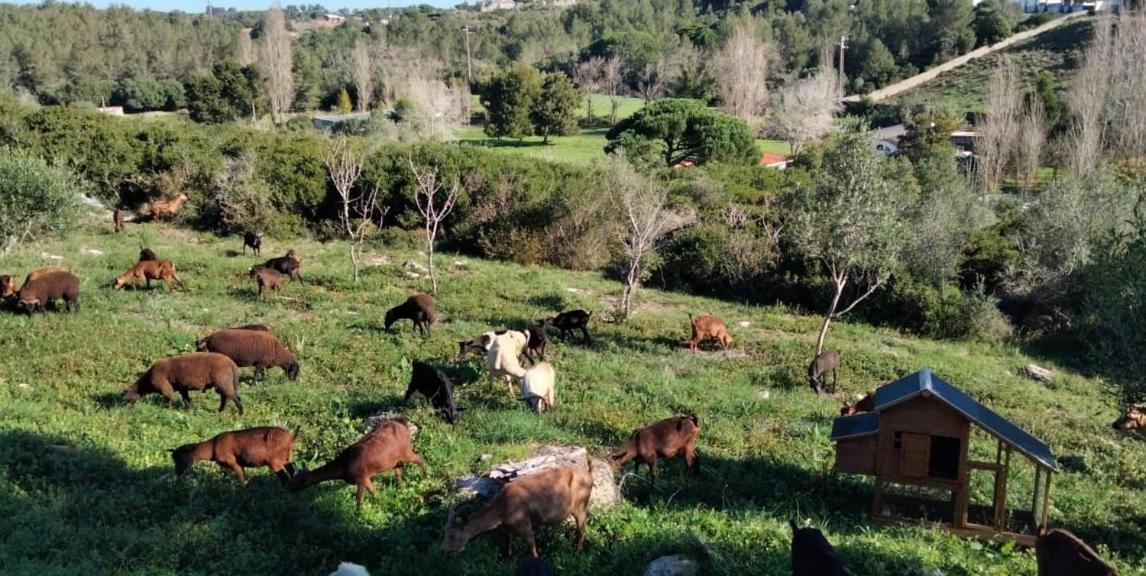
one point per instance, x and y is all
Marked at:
(87, 486)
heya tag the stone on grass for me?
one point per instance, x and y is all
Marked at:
(1039, 373)
(675, 565)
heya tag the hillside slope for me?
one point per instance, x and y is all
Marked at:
(86, 483)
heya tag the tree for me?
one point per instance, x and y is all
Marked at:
(554, 112)
(1030, 142)
(680, 130)
(612, 80)
(344, 105)
(1046, 90)
(587, 76)
(362, 69)
(225, 93)
(805, 110)
(356, 210)
(990, 26)
(437, 107)
(275, 61)
(928, 135)
(741, 70)
(244, 48)
(999, 129)
(653, 77)
(850, 222)
(434, 208)
(36, 199)
(508, 101)
(649, 220)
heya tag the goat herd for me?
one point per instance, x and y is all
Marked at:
(548, 497)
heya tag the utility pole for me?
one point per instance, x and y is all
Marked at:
(469, 57)
(843, 76)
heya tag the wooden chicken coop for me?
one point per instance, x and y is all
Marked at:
(919, 436)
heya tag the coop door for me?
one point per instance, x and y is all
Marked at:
(914, 455)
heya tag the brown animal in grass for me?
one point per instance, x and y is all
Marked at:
(197, 371)
(149, 270)
(268, 279)
(547, 497)
(1133, 419)
(289, 265)
(44, 286)
(569, 321)
(164, 207)
(8, 288)
(665, 439)
(258, 348)
(865, 404)
(146, 254)
(418, 308)
(268, 446)
(117, 218)
(383, 448)
(813, 555)
(705, 327)
(1060, 553)
(819, 368)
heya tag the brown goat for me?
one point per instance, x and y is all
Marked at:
(383, 448)
(1133, 419)
(819, 368)
(246, 347)
(147, 254)
(418, 308)
(164, 206)
(705, 327)
(117, 219)
(266, 278)
(48, 285)
(664, 439)
(1060, 553)
(182, 374)
(547, 497)
(268, 446)
(8, 287)
(865, 404)
(149, 270)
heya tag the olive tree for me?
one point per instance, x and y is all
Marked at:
(36, 199)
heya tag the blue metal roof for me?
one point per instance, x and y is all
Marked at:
(924, 381)
(855, 426)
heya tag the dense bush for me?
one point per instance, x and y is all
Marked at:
(36, 199)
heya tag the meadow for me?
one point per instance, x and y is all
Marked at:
(87, 485)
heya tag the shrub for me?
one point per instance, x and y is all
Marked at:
(239, 200)
(36, 199)
(981, 320)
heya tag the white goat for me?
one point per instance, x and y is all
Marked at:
(538, 387)
(502, 356)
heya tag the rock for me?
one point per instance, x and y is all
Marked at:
(93, 252)
(379, 417)
(485, 457)
(460, 264)
(675, 565)
(47, 256)
(350, 569)
(1039, 373)
(744, 323)
(412, 266)
(412, 274)
(605, 492)
(764, 394)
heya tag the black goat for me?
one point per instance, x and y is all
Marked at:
(252, 240)
(813, 555)
(569, 321)
(435, 386)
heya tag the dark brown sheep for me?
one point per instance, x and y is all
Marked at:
(865, 404)
(1061, 553)
(287, 265)
(266, 278)
(537, 343)
(664, 439)
(569, 321)
(547, 497)
(383, 448)
(196, 371)
(1133, 419)
(819, 368)
(41, 288)
(418, 308)
(7, 287)
(149, 270)
(252, 240)
(146, 254)
(707, 326)
(257, 348)
(813, 555)
(268, 446)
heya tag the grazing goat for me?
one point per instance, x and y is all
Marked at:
(7, 286)
(258, 348)
(547, 497)
(182, 374)
(537, 343)
(538, 386)
(268, 446)
(664, 439)
(819, 368)
(149, 270)
(435, 386)
(502, 357)
(146, 254)
(530, 566)
(255, 327)
(383, 448)
(1133, 418)
(479, 344)
(569, 321)
(1060, 553)
(117, 219)
(288, 265)
(268, 279)
(813, 555)
(252, 240)
(42, 287)
(418, 308)
(707, 326)
(164, 206)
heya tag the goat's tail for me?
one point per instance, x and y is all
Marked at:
(695, 420)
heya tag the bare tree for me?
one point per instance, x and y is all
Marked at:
(612, 81)
(1087, 99)
(434, 208)
(244, 48)
(1000, 128)
(1031, 143)
(645, 206)
(437, 112)
(587, 76)
(275, 60)
(805, 110)
(654, 78)
(362, 69)
(1126, 101)
(741, 70)
(356, 211)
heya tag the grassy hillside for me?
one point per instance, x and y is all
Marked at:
(87, 486)
(965, 88)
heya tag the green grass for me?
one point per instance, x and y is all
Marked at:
(86, 484)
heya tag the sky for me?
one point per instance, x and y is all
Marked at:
(201, 5)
